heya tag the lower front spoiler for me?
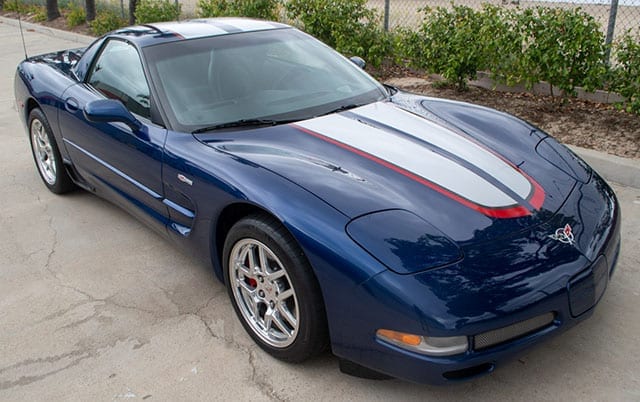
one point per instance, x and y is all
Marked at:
(571, 303)
(389, 361)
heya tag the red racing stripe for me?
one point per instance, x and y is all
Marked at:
(536, 199)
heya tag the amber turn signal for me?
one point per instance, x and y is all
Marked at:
(407, 339)
(428, 345)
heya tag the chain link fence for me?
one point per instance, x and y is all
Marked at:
(620, 15)
(615, 16)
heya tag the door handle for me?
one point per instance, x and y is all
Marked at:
(71, 104)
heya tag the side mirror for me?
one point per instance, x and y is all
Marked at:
(358, 61)
(110, 110)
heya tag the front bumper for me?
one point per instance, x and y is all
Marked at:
(497, 285)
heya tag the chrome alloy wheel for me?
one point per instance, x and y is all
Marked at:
(264, 293)
(45, 158)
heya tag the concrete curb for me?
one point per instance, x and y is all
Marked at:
(613, 168)
(543, 88)
(56, 33)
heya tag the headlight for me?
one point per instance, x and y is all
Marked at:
(402, 241)
(427, 345)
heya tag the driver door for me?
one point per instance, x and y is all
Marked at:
(118, 163)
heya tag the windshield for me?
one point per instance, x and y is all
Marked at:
(278, 75)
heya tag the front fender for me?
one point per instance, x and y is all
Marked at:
(220, 179)
(37, 84)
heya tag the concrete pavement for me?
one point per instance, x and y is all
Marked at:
(95, 306)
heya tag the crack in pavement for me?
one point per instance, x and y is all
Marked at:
(265, 388)
(54, 245)
(256, 377)
(28, 379)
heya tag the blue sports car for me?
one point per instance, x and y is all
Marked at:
(415, 237)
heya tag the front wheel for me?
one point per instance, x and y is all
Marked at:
(273, 289)
(46, 154)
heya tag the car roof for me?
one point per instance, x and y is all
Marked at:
(161, 32)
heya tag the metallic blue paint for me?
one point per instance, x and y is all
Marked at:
(491, 272)
(402, 241)
(108, 111)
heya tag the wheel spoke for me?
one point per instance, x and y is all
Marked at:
(241, 267)
(42, 136)
(276, 319)
(252, 260)
(268, 319)
(244, 285)
(249, 297)
(285, 295)
(286, 314)
(273, 276)
(264, 263)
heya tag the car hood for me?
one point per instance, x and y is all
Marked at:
(471, 172)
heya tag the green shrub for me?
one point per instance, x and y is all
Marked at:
(562, 47)
(626, 72)
(39, 13)
(447, 43)
(349, 26)
(501, 42)
(106, 21)
(76, 15)
(156, 11)
(14, 6)
(263, 9)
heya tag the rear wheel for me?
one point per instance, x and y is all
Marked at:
(46, 154)
(273, 289)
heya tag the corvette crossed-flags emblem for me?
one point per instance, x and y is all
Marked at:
(564, 235)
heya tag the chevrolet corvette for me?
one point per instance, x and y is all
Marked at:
(413, 237)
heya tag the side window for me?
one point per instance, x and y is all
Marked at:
(118, 74)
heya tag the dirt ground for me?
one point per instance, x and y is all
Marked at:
(590, 125)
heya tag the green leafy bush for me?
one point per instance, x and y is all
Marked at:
(447, 43)
(501, 43)
(562, 47)
(156, 11)
(38, 12)
(76, 15)
(106, 21)
(15, 6)
(349, 26)
(626, 72)
(264, 9)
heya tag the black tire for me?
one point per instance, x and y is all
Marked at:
(310, 335)
(46, 154)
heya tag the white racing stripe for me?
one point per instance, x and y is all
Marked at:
(449, 141)
(406, 154)
(215, 26)
(189, 31)
(245, 24)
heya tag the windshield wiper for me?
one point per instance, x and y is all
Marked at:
(242, 123)
(342, 108)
